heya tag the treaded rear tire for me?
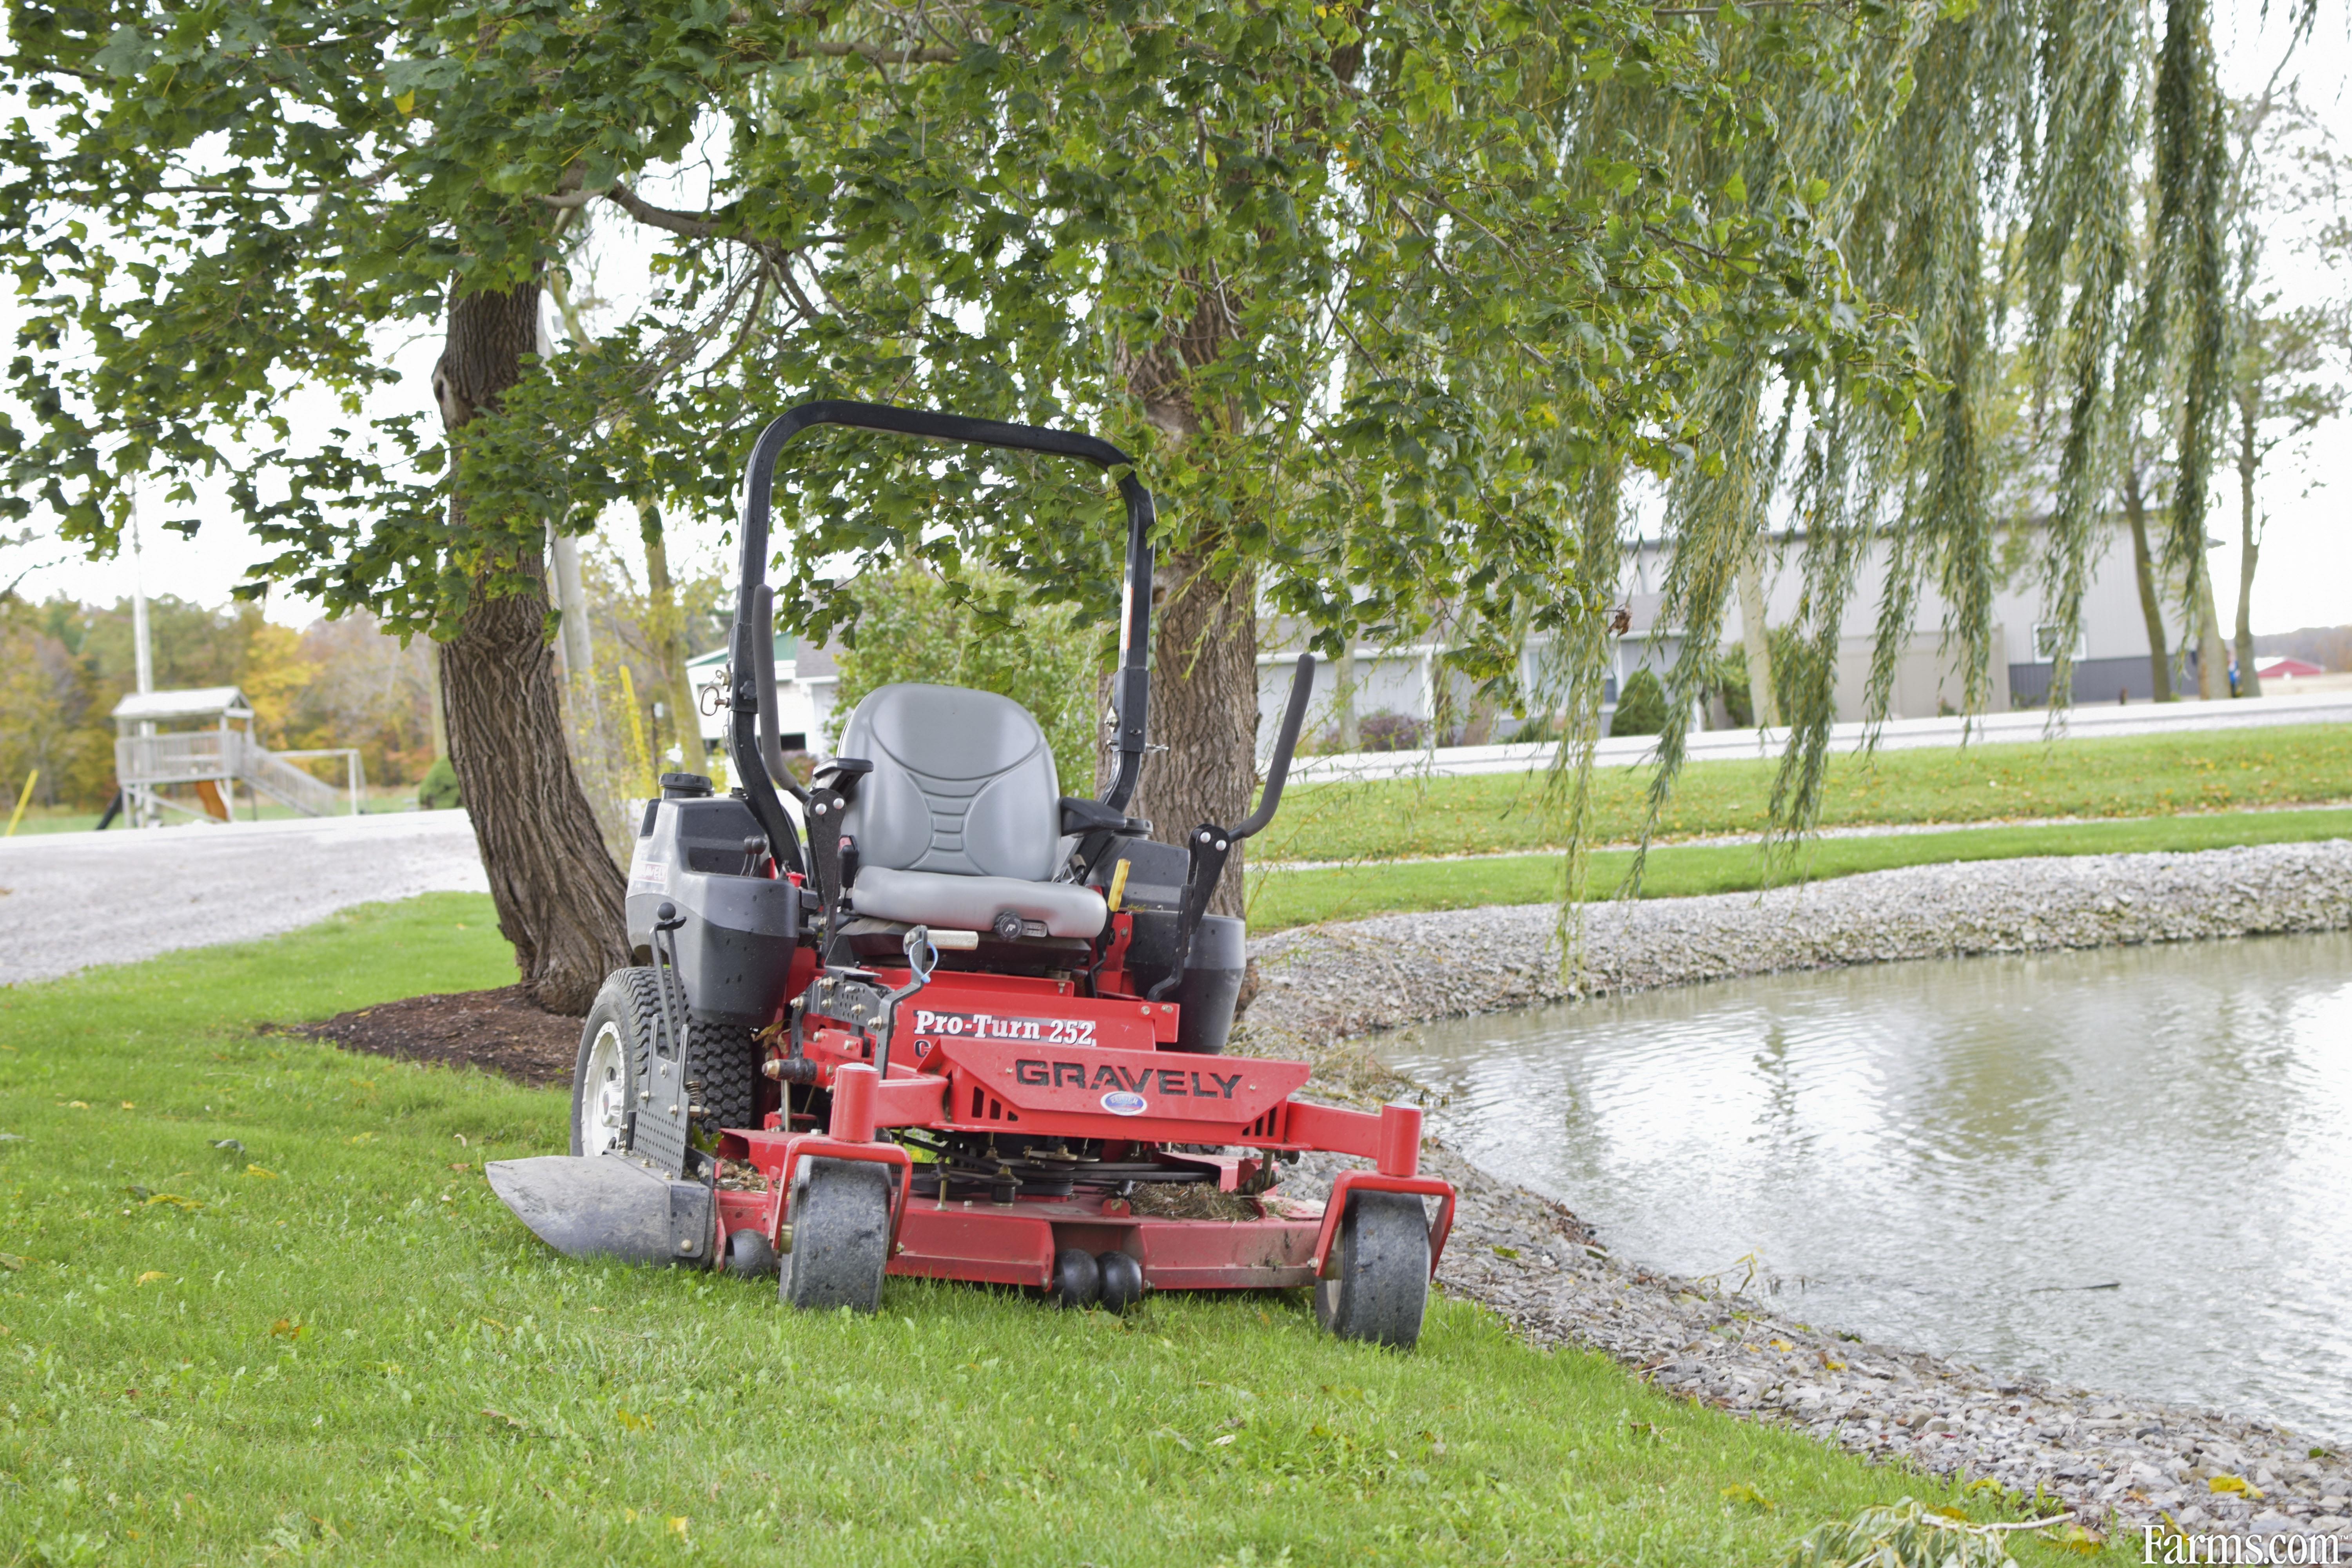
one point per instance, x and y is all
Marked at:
(1378, 1284)
(723, 1060)
(629, 1005)
(840, 1219)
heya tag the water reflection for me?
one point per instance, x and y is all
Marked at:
(1964, 1156)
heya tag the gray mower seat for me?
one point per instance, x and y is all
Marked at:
(960, 820)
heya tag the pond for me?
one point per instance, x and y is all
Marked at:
(2127, 1169)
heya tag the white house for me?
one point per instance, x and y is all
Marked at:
(805, 684)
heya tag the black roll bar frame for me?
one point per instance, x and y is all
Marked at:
(752, 644)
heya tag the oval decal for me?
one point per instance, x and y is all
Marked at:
(1119, 1102)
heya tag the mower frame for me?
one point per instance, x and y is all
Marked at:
(957, 1061)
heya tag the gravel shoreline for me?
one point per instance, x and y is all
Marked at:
(2118, 1463)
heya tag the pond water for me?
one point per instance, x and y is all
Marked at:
(2128, 1169)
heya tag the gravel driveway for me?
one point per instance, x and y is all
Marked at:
(68, 900)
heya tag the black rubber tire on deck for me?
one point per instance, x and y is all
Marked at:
(840, 1236)
(1077, 1279)
(749, 1255)
(1122, 1280)
(1378, 1284)
(723, 1060)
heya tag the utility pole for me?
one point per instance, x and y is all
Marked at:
(142, 650)
(143, 653)
(571, 598)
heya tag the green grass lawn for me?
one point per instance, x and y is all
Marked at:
(2153, 776)
(1279, 898)
(332, 1343)
(70, 819)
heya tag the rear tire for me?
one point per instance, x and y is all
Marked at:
(615, 1044)
(1379, 1273)
(722, 1068)
(840, 1236)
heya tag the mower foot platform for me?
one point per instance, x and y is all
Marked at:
(607, 1206)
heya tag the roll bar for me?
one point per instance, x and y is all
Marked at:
(750, 646)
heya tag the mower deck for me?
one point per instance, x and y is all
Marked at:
(1015, 1240)
(1016, 1243)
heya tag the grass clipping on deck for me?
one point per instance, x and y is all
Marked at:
(1190, 1200)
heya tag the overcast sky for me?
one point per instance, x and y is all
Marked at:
(2305, 578)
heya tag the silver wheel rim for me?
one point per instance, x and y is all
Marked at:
(604, 1096)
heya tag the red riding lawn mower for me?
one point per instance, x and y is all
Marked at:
(970, 1028)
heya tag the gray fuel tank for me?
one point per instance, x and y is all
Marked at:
(735, 950)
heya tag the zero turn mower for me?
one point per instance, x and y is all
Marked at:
(945, 1020)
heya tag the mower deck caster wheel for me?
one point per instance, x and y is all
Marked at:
(1078, 1279)
(1378, 1283)
(1122, 1280)
(840, 1236)
(749, 1255)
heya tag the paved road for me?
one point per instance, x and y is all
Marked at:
(1898, 734)
(68, 900)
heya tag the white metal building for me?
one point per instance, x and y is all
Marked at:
(2111, 654)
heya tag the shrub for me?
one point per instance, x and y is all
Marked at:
(1641, 706)
(1389, 731)
(438, 792)
(1728, 680)
(1041, 658)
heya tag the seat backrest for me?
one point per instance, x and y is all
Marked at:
(964, 785)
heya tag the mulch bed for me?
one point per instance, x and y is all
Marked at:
(500, 1031)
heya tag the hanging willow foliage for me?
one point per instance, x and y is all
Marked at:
(2062, 124)
(1395, 303)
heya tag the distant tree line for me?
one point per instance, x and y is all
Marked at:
(64, 665)
(2330, 648)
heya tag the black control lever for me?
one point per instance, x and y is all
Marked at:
(1210, 845)
(828, 798)
(1302, 688)
(668, 987)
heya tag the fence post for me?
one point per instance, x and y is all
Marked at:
(23, 800)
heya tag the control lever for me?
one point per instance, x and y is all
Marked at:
(851, 995)
(921, 959)
(827, 800)
(667, 985)
(1210, 845)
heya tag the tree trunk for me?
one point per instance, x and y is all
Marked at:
(2151, 606)
(1204, 628)
(1763, 702)
(2250, 549)
(2212, 654)
(668, 629)
(557, 891)
(1204, 709)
